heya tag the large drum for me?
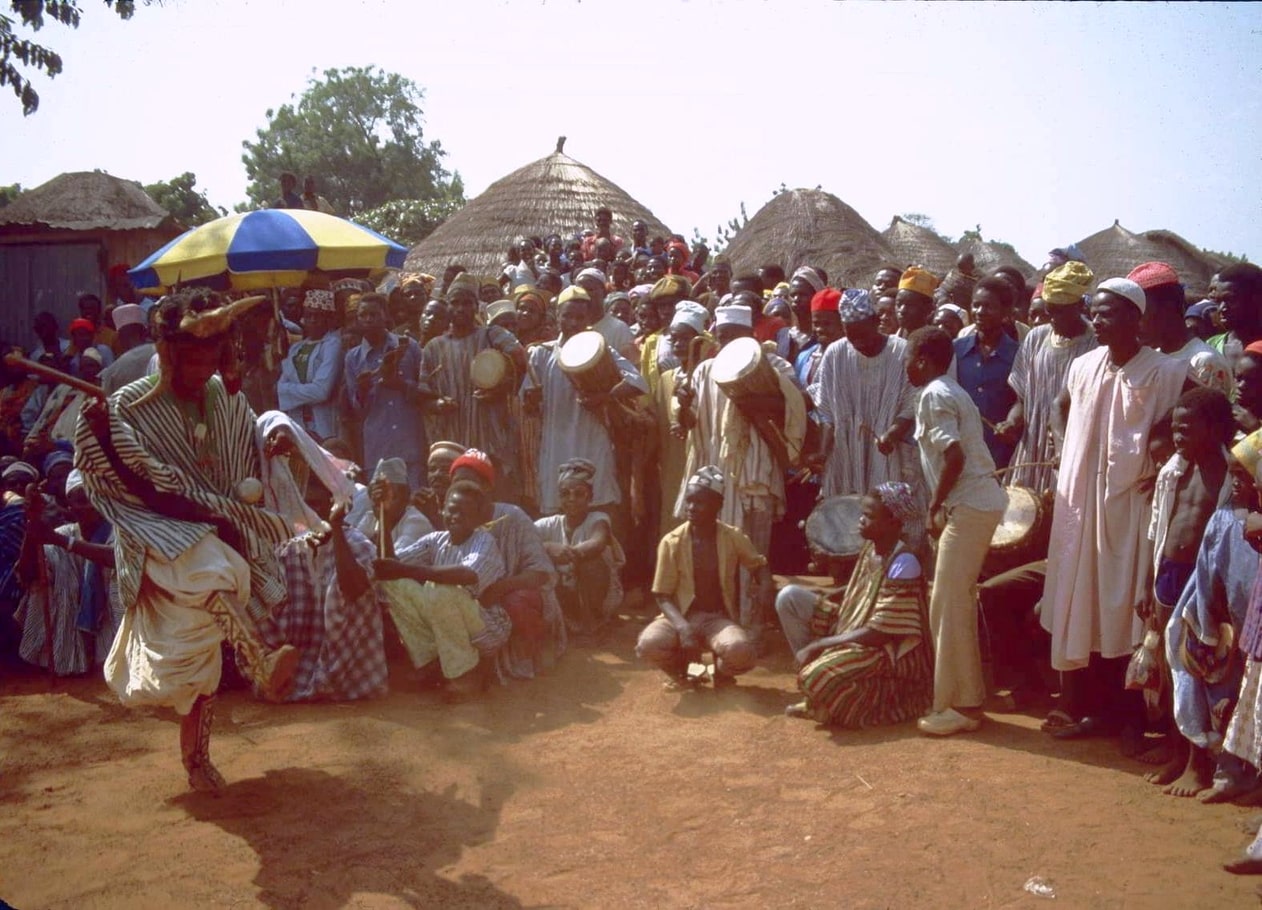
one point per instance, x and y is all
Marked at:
(742, 369)
(490, 369)
(1022, 535)
(832, 534)
(586, 360)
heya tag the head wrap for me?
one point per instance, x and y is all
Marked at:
(811, 277)
(21, 471)
(1063, 254)
(1254, 348)
(54, 458)
(478, 462)
(392, 471)
(826, 301)
(670, 286)
(118, 270)
(691, 314)
(678, 245)
(453, 449)
(82, 324)
(355, 285)
(956, 311)
(1067, 284)
(855, 305)
(74, 480)
(577, 469)
(709, 478)
(593, 274)
(899, 498)
(463, 283)
(922, 281)
(780, 290)
(413, 280)
(573, 292)
(1201, 310)
(529, 292)
(615, 297)
(734, 314)
(318, 300)
(1124, 287)
(1153, 275)
(499, 308)
(640, 290)
(126, 314)
(92, 353)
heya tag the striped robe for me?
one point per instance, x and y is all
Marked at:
(856, 685)
(154, 438)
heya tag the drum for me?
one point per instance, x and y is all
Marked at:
(586, 359)
(1023, 533)
(742, 369)
(489, 369)
(832, 534)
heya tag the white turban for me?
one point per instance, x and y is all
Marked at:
(691, 314)
(734, 314)
(1125, 288)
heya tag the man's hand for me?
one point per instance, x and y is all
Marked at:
(337, 515)
(387, 569)
(808, 653)
(532, 401)
(937, 520)
(593, 401)
(444, 405)
(1007, 431)
(885, 444)
(378, 490)
(1253, 530)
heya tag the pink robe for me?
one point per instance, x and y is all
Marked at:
(1100, 558)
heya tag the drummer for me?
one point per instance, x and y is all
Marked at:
(572, 421)
(721, 433)
(474, 417)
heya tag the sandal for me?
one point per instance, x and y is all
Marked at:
(1088, 726)
(1056, 720)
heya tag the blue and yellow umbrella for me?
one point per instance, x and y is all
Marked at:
(270, 248)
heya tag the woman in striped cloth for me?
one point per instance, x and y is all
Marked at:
(866, 659)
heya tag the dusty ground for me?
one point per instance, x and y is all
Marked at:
(588, 788)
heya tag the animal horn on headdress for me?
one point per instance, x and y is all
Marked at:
(210, 323)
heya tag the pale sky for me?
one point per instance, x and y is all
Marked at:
(1041, 122)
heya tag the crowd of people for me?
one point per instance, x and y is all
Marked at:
(476, 470)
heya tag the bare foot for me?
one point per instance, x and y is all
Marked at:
(1198, 775)
(1168, 772)
(1225, 793)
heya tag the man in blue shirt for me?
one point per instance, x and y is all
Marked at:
(983, 361)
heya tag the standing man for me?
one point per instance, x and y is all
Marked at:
(617, 334)
(382, 391)
(312, 200)
(164, 462)
(914, 303)
(309, 375)
(1099, 559)
(965, 507)
(475, 418)
(1165, 327)
(983, 362)
(865, 406)
(289, 198)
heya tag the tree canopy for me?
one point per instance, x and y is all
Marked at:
(180, 197)
(358, 131)
(19, 53)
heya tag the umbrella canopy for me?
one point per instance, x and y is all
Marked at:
(267, 249)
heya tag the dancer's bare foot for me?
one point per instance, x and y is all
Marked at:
(1197, 776)
(279, 670)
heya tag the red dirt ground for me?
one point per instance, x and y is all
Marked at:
(590, 787)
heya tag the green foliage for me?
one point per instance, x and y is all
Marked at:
(1229, 257)
(19, 53)
(919, 219)
(975, 234)
(358, 131)
(9, 193)
(409, 221)
(180, 197)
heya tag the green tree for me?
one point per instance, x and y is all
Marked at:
(358, 132)
(180, 197)
(9, 193)
(409, 221)
(19, 52)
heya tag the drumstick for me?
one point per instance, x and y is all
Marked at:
(381, 530)
(1026, 464)
(18, 362)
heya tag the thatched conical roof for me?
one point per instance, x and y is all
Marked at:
(916, 245)
(554, 194)
(1114, 251)
(989, 255)
(811, 227)
(85, 201)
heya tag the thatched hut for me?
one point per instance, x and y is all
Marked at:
(914, 244)
(1114, 251)
(811, 227)
(59, 240)
(989, 255)
(555, 194)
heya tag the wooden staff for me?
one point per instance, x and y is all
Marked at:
(381, 530)
(20, 363)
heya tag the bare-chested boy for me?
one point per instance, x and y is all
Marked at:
(1190, 487)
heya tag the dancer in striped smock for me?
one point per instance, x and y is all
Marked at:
(866, 658)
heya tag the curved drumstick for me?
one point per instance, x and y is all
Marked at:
(18, 362)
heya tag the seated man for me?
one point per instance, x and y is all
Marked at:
(866, 660)
(441, 620)
(388, 496)
(526, 589)
(696, 588)
(584, 551)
